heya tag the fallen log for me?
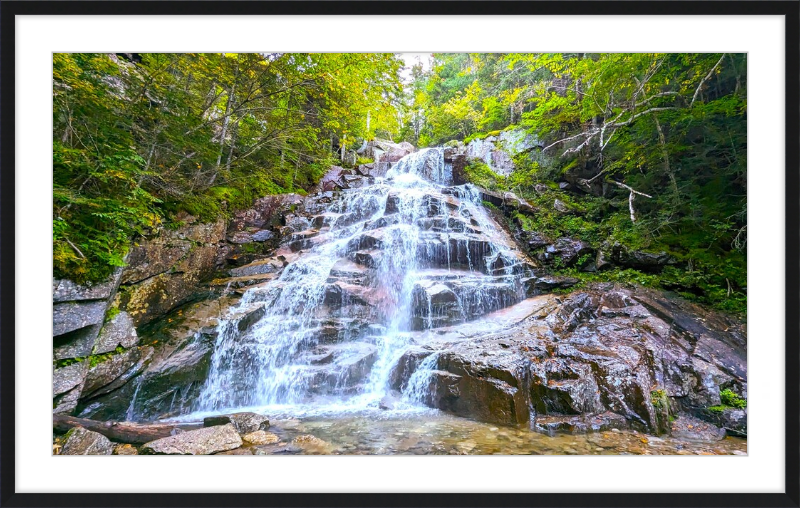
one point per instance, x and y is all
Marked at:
(125, 432)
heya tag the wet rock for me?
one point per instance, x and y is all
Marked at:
(731, 420)
(539, 285)
(639, 354)
(259, 267)
(80, 441)
(172, 379)
(244, 423)
(695, 429)
(260, 437)
(311, 444)
(583, 424)
(119, 331)
(127, 364)
(204, 441)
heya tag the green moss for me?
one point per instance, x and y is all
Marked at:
(95, 360)
(111, 313)
(58, 364)
(717, 409)
(477, 172)
(731, 399)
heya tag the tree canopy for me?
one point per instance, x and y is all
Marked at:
(652, 146)
(137, 138)
(655, 144)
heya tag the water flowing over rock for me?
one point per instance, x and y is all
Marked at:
(401, 291)
(374, 262)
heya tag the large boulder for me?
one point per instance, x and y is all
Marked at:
(641, 354)
(154, 297)
(204, 441)
(244, 423)
(80, 441)
(566, 252)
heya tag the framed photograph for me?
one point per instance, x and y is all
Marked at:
(400, 254)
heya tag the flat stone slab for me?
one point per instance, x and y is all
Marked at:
(196, 442)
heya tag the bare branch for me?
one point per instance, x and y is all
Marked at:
(703, 82)
(631, 197)
(587, 133)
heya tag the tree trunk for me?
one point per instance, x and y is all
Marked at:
(126, 432)
(665, 155)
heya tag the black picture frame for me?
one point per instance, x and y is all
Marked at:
(790, 9)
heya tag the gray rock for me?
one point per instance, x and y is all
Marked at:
(77, 343)
(67, 378)
(70, 316)
(85, 442)
(244, 423)
(561, 207)
(119, 331)
(104, 373)
(67, 402)
(65, 290)
(262, 236)
(260, 267)
(204, 441)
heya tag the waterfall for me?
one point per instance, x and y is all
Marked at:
(378, 266)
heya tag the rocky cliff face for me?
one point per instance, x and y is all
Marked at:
(407, 284)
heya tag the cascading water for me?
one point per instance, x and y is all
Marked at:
(377, 266)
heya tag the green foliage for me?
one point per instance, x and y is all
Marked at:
(134, 143)
(477, 172)
(732, 399)
(659, 400)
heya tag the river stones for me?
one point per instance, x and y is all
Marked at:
(260, 437)
(196, 442)
(244, 423)
(80, 441)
